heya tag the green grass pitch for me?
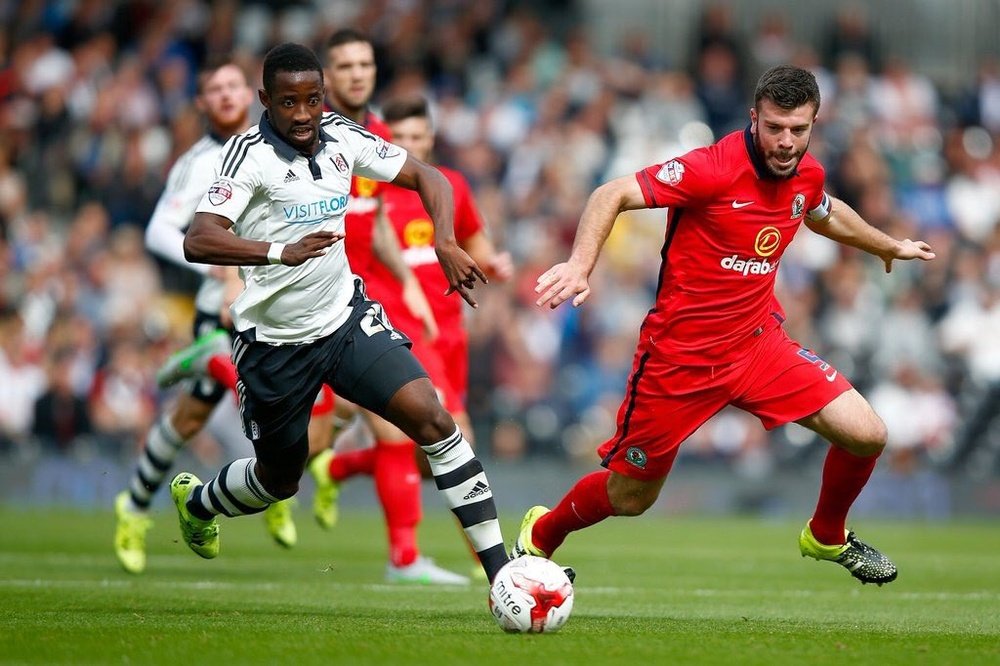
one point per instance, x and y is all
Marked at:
(650, 590)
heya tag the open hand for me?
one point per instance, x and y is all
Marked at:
(909, 249)
(461, 271)
(561, 283)
(309, 246)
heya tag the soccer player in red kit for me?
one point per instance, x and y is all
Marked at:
(410, 123)
(714, 337)
(445, 355)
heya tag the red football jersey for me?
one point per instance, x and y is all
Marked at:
(361, 206)
(729, 223)
(415, 231)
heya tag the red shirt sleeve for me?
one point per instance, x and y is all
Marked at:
(681, 181)
(468, 221)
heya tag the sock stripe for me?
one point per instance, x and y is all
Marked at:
(166, 430)
(253, 485)
(444, 446)
(475, 513)
(460, 475)
(159, 463)
(214, 502)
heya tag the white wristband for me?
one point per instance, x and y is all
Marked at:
(274, 253)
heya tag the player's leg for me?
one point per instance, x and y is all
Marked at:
(195, 359)
(167, 436)
(814, 394)
(278, 385)
(397, 483)
(663, 405)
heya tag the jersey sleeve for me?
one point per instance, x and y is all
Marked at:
(374, 157)
(468, 221)
(235, 182)
(818, 205)
(680, 182)
(174, 212)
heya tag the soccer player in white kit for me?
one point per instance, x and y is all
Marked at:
(304, 318)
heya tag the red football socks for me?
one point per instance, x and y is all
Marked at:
(397, 482)
(222, 370)
(585, 504)
(844, 475)
(345, 465)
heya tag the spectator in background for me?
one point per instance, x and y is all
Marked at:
(23, 381)
(61, 415)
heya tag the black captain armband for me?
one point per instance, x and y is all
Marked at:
(820, 212)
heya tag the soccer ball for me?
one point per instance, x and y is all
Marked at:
(531, 594)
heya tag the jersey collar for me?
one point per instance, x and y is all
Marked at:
(282, 147)
(758, 163)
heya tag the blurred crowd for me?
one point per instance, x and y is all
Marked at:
(96, 103)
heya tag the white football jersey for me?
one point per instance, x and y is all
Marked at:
(175, 210)
(271, 192)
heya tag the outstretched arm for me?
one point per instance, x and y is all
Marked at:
(844, 225)
(436, 195)
(208, 241)
(570, 279)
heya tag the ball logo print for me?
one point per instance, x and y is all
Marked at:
(531, 595)
(767, 241)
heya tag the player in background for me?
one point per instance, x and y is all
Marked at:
(304, 319)
(445, 357)
(223, 98)
(714, 336)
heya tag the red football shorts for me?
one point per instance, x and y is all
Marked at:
(325, 401)
(437, 369)
(452, 344)
(777, 381)
(438, 366)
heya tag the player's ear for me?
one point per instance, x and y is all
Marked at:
(753, 120)
(264, 98)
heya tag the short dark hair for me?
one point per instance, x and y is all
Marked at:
(211, 66)
(405, 107)
(787, 86)
(346, 36)
(289, 57)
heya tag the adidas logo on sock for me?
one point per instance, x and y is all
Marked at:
(479, 489)
(290, 176)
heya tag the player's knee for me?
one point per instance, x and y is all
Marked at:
(632, 505)
(436, 424)
(281, 489)
(871, 441)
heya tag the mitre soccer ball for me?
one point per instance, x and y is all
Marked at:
(531, 594)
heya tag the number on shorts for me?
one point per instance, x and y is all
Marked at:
(375, 321)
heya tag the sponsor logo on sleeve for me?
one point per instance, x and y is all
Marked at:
(220, 192)
(385, 150)
(671, 173)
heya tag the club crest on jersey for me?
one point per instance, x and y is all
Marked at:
(671, 173)
(220, 192)
(767, 241)
(798, 205)
(339, 162)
